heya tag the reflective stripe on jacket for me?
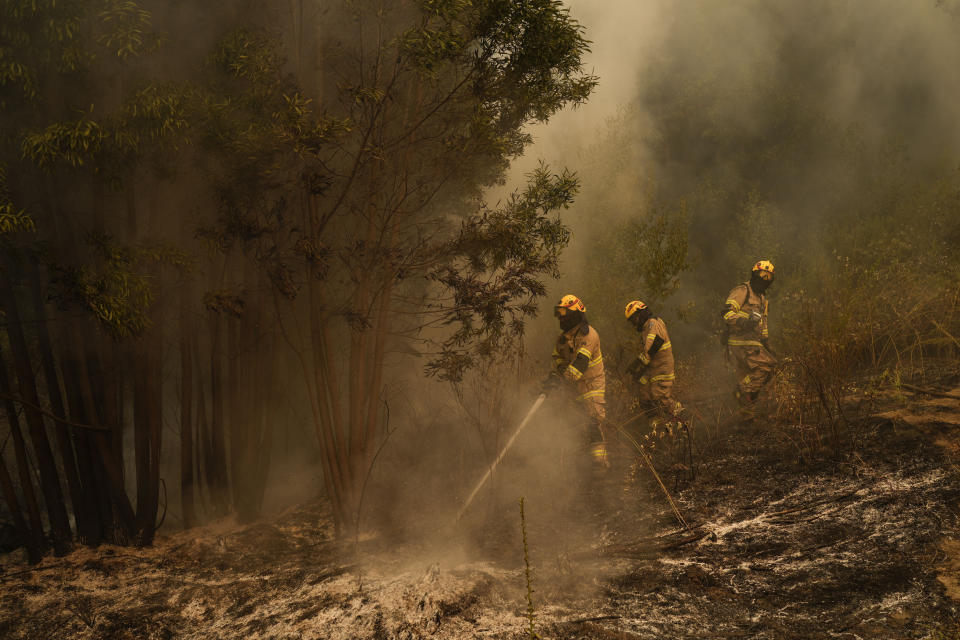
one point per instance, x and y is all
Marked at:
(581, 341)
(658, 368)
(740, 305)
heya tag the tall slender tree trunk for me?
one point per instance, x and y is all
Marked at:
(117, 515)
(112, 396)
(95, 398)
(61, 430)
(254, 380)
(204, 439)
(155, 406)
(23, 460)
(34, 553)
(27, 386)
(99, 481)
(90, 530)
(261, 446)
(323, 385)
(147, 420)
(218, 470)
(329, 425)
(235, 415)
(186, 414)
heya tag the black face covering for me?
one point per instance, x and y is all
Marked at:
(570, 319)
(639, 318)
(758, 284)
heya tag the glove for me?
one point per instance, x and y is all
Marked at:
(753, 320)
(551, 382)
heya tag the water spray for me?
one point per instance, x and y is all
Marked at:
(503, 452)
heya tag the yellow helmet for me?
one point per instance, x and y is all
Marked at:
(632, 307)
(568, 303)
(764, 268)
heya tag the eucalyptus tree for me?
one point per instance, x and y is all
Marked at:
(72, 133)
(362, 201)
(315, 186)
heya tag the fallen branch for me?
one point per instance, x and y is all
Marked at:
(929, 392)
(52, 416)
(810, 505)
(593, 619)
(649, 463)
(679, 531)
(945, 332)
(599, 631)
(82, 617)
(680, 543)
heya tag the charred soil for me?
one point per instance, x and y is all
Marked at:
(860, 546)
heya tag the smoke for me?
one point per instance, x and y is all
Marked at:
(440, 446)
(781, 129)
(771, 122)
(802, 132)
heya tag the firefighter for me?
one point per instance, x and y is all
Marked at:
(747, 335)
(578, 364)
(652, 369)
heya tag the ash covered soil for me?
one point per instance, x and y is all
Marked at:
(867, 547)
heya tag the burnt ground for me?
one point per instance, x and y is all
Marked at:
(864, 546)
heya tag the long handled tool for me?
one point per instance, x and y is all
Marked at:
(653, 470)
(506, 447)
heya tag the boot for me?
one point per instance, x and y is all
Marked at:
(746, 401)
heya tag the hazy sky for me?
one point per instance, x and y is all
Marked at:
(620, 31)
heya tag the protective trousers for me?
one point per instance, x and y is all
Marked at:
(655, 397)
(754, 368)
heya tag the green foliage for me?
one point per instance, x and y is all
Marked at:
(153, 114)
(15, 74)
(493, 271)
(33, 35)
(12, 218)
(633, 243)
(443, 8)
(64, 40)
(430, 48)
(759, 221)
(252, 110)
(528, 575)
(148, 119)
(225, 302)
(754, 150)
(511, 63)
(527, 56)
(113, 285)
(308, 134)
(252, 56)
(648, 252)
(481, 72)
(265, 140)
(66, 37)
(126, 29)
(73, 143)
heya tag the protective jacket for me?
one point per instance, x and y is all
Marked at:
(742, 304)
(747, 338)
(655, 361)
(653, 370)
(578, 359)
